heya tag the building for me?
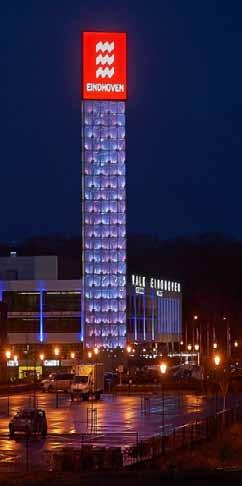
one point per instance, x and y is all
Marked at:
(154, 311)
(59, 316)
(28, 267)
(45, 315)
(103, 189)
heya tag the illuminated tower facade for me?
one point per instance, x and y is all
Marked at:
(103, 189)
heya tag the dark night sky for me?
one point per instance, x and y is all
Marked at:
(184, 114)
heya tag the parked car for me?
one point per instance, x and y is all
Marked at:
(60, 381)
(28, 421)
(46, 380)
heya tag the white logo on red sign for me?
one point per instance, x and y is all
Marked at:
(105, 57)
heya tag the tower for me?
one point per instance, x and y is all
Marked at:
(103, 189)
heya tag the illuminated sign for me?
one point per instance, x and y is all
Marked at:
(12, 362)
(155, 283)
(104, 66)
(51, 362)
(139, 290)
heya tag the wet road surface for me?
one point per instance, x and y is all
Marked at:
(116, 420)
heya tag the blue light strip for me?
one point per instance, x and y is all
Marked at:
(41, 317)
(153, 316)
(135, 317)
(144, 318)
(82, 314)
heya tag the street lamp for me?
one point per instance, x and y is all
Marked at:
(89, 354)
(96, 351)
(217, 361)
(196, 347)
(181, 343)
(72, 355)
(41, 356)
(189, 347)
(215, 345)
(236, 344)
(56, 351)
(8, 356)
(15, 358)
(163, 369)
(129, 349)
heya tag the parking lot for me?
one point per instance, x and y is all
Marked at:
(116, 420)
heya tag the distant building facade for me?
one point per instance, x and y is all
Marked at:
(42, 315)
(47, 311)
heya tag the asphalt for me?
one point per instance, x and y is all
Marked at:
(117, 420)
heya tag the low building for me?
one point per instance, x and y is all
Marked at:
(44, 312)
(154, 311)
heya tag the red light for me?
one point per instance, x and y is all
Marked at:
(104, 66)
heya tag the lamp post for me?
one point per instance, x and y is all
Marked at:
(8, 356)
(129, 350)
(96, 351)
(217, 360)
(163, 369)
(195, 318)
(56, 354)
(42, 357)
(180, 351)
(197, 349)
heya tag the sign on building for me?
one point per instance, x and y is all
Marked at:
(104, 66)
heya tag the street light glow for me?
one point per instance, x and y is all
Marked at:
(195, 317)
(56, 351)
(15, 358)
(189, 347)
(72, 355)
(96, 351)
(181, 343)
(196, 347)
(163, 368)
(41, 356)
(129, 349)
(89, 354)
(236, 344)
(217, 360)
(215, 345)
(8, 354)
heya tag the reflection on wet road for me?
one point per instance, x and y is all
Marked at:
(116, 419)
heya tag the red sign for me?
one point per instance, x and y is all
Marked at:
(104, 66)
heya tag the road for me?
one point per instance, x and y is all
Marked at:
(117, 420)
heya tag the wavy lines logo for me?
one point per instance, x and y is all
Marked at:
(104, 66)
(105, 57)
